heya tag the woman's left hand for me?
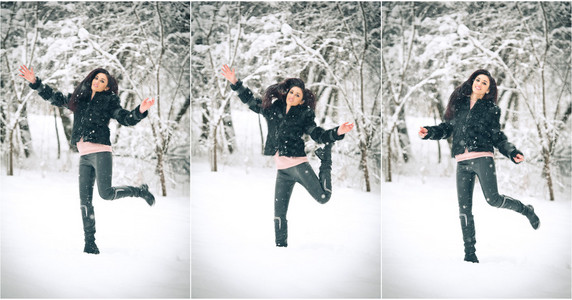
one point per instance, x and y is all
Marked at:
(518, 158)
(345, 128)
(146, 104)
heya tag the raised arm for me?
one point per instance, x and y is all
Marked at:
(27, 74)
(244, 93)
(45, 91)
(229, 74)
(129, 117)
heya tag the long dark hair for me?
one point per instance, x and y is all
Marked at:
(83, 91)
(280, 90)
(465, 90)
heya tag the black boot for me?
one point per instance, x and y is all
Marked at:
(281, 231)
(526, 210)
(145, 194)
(325, 174)
(90, 247)
(468, 228)
(532, 217)
(88, 218)
(132, 191)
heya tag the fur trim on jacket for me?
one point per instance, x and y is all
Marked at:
(285, 130)
(476, 129)
(91, 118)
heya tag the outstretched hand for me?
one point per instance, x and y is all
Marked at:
(345, 128)
(146, 104)
(423, 132)
(229, 74)
(27, 74)
(518, 158)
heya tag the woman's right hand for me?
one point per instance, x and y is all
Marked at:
(423, 132)
(229, 74)
(27, 74)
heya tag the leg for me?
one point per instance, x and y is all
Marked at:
(86, 182)
(104, 172)
(282, 194)
(465, 187)
(485, 169)
(325, 172)
(308, 179)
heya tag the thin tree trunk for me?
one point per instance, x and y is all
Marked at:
(57, 133)
(68, 126)
(205, 117)
(2, 124)
(228, 128)
(25, 135)
(261, 135)
(363, 162)
(10, 171)
(547, 173)
(388, 161)
(403, 136)
(161, 145)
(183, 110)
(214, 167)
(364, 141)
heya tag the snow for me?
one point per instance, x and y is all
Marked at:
(333, 249)
(463, 30)
(145, 251)
(83, 34)
(286, 29)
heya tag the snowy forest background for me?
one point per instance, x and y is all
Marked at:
(429, 48)
(145, 45)
(335, 47)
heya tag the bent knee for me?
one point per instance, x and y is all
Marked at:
(324, 198)
(495, 200)
(107, 194)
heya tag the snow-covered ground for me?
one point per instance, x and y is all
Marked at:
(422, 242)
(423, 247)
(145, 251)
(333, 249)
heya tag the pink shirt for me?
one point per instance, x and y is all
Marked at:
(471, 155)
(85, 148)
(285, 162)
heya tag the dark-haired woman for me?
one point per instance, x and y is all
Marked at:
(288, 108)
(472, 118)
(94, 102)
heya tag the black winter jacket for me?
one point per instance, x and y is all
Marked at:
(285, 130)
(476, 129)
(91, 118)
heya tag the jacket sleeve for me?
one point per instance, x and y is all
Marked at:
(246, 96)
(319, 134)
(499, 139)
(126, 117)
(48, 94)
(441, 131)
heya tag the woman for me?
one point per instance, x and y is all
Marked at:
(472, 118)
(288, 108)
(94, 102)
